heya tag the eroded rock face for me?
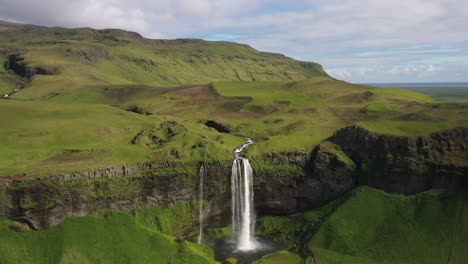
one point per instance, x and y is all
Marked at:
(328, 177)
(284, 183)
(16, 63)
(276, 181)
(218, 126)
(46, 202)
(325, 176)
(407, 165)
(354, 156)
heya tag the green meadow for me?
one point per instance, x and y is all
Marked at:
(366, 226)
(370, 226)
(94, 126)
(111, 237)
(90, 99)
(104, 88)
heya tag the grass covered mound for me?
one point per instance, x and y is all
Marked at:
(115, 237)
(371, 226)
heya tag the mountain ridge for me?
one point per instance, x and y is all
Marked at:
(83, 56)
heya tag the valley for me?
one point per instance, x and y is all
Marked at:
(104, 133)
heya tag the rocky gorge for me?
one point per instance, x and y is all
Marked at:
(284, 183)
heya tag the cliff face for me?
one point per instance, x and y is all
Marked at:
(42, 203)
(407, 165)
(354, 156)
(284, 182)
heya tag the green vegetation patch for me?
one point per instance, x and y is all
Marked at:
(113, 238)
(52, 138)
(329, 147)
(170, 220)
(281, 257)
(104, 97)
(370, 226)
(375, 227)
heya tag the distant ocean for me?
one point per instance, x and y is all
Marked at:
(442, 91)
(418, 86)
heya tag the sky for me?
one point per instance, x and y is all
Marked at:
(360, 41)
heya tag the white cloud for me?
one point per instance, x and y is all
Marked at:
(341, 74)
(396, 36)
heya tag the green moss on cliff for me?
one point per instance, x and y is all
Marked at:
(266, 170)
(172, 220)
(335, 150)
(41, 195)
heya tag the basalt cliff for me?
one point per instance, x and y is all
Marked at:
(284, 183)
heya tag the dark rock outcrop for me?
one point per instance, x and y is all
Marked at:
(218, 126)
(284, 182)
(303, 180)
(46, 202)
(330, 174)
(407, 165)
(276, 181)
(355, 156)
(15, 62)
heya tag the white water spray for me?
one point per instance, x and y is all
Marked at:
(200, 202)
(243, 214)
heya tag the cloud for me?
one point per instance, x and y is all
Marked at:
(355, 40)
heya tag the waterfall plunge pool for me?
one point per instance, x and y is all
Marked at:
(241, 243)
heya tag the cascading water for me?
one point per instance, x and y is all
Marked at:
(202, 174)
(243, 214)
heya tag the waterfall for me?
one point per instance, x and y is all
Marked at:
(202, 174)
(242, 206)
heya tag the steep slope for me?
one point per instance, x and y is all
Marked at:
(375, 227)
(53, 59)
(370, 226)
(110, 238)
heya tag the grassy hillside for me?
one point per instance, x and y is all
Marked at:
(366, 226)
(371, 226)
(307, 111)
(111, 238)
(80, 57)
(45, 138)
(109, 97)
(95, 126)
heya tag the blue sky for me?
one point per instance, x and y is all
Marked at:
(355, 40)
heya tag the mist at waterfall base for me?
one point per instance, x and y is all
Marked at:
(242, 245)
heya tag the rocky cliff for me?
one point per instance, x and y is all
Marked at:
(355, 156)
(407, 165)
(284, 182)
(45, 202)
